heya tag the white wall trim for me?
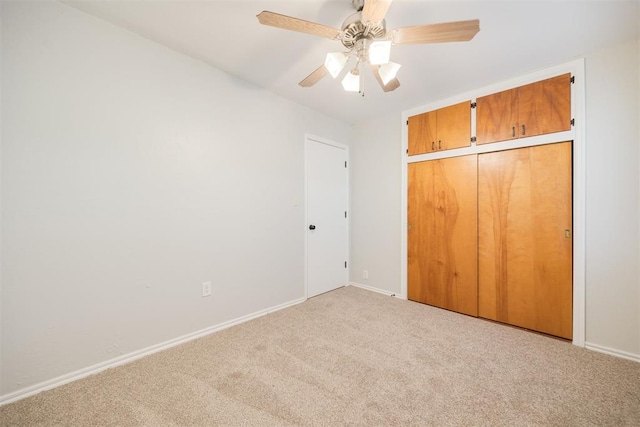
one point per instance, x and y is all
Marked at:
(127, 358)
(613, 352)
(373, 289)
(310, 137)
(579, 204)
(577, 135)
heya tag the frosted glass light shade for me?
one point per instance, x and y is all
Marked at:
(379, 52)
(388, 72)
(351, 82)
(335, 62)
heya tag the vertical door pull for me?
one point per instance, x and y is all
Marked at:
(439, 145)
(433, 145)
(513, 131)
(524, 132)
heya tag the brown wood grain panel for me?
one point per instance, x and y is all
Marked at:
(454, 126)
(442, 236)
(497, 117)
(422, 133)
(545, 106)
(524, 251)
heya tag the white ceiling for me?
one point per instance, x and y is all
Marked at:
(515, 37)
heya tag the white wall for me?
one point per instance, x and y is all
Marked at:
(612, 191)
(375, 203)
(131, 174)
(1, 314)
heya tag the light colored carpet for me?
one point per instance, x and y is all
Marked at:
(352, 357)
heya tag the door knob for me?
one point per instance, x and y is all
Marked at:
(312, 227)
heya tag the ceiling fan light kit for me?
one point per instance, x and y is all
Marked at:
(388, 72)
(365, 35)
(335, 62)
(379, 52)
(351, 82)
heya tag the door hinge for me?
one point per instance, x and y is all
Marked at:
(345, 264)
(345, 164)
(407, 122)
(573, 122)
(573, 79)
(345, 214)
(473, 139)
(473, 105)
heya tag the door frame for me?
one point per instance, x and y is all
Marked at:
(310, 139)
(576, 134)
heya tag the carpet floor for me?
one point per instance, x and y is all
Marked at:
(352, 357)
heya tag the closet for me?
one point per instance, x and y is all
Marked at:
(490, 233)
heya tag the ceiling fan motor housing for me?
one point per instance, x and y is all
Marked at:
(353, 30)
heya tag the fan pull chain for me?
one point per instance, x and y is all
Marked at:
(361, 81)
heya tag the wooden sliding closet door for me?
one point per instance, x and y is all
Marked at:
(442, 237)
(525, 238)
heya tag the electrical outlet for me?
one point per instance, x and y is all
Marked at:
(365, 274)
(206, 289)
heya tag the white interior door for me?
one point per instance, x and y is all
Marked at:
(327, 199)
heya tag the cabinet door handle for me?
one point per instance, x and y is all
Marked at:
(524, 132)
(513, 131)
(439, 145)
(433, 146)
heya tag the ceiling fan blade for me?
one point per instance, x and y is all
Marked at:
(392, 85)
(459, 31)
(314, 77)
(295, 24)
(375, 10)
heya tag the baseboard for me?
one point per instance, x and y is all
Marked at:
(130, 357)
(372, 289)
(613, 352)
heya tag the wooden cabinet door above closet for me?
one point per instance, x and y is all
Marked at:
(535, 109)
(422, 133)
(442, 129)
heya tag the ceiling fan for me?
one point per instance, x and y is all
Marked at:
(364, 34)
